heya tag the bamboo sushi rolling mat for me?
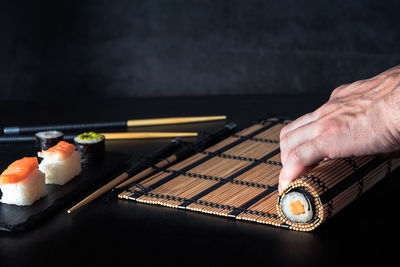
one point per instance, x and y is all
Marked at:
(238, 178)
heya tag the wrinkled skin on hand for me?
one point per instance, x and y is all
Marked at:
(361, 118)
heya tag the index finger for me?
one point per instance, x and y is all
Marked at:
(307, 118)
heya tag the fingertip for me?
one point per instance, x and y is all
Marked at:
(283, 132)
(283, 181)
(280, 189)
(282, 186)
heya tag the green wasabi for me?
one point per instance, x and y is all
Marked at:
(90, 136)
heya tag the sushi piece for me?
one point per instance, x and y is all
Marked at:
(60, 163)
(297, 207)
(91, 145)
(47, 139)
(22, 183)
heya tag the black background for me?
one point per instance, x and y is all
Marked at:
(287, 55)
(124, 48)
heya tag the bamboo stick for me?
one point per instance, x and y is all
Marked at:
(147, 171)
(99, 192)
(108, 136)
(120, 180)
(109, 125)
(146, 135)
(177, 120)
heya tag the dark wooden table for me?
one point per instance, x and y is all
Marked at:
(112, 231)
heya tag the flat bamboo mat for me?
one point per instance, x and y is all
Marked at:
(238, 178)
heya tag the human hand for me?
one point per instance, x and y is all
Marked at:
(362, 118)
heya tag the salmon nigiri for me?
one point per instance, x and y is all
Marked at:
(61, 151)
(60, 163)
(22, 183)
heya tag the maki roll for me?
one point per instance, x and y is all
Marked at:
(60, 163)
(47, 139)
(91, 145)
(22, 183)
(297, 207)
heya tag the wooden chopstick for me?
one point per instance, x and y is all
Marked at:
(120, 179)
(108, 136)
(146, 135)
(148, 171)
(178, 120)
(137, 166)
(109, 125)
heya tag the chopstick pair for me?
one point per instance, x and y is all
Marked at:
(167, 155)
(109, 136)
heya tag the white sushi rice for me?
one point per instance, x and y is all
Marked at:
(59, 171)
(287, 211)
(49, 134)
(26, 192)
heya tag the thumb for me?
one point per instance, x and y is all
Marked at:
(289, 173)
(300, 160)
(286, 176)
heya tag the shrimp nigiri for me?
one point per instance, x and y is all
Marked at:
(60, 163)
(22, 183)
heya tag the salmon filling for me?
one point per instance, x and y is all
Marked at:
(296, 207)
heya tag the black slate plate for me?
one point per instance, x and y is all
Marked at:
(19, 218)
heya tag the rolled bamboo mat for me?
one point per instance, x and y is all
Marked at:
(238, 178)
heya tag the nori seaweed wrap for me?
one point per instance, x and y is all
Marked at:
(92, 147)
(45, 140)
